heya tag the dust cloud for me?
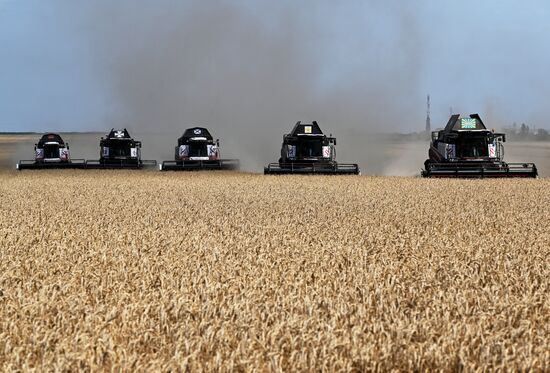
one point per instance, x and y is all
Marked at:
(249, 72)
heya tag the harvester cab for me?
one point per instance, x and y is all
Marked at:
(50, 152)
(466, 148)
(51, 148)
(197, 150)
(307, 150)
(119, 150)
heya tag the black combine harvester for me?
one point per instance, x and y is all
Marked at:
(51, 152)
(465, 148)
(119, 150)
(306, 150)
(197, 150)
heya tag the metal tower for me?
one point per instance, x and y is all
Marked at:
(428, 120)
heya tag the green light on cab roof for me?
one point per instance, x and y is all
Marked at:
(468, 123)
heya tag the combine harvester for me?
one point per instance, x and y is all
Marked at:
(467, 149)
(50, 152)
(197, 150)
(306, 150)
(119, 150)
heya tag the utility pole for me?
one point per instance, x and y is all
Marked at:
(428, 120)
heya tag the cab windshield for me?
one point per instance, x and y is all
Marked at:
(120, 148)
(198, 149)
(472, 147)
(51, 151)
(309, 148)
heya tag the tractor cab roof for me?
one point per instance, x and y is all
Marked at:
(460, 124)
(119, 135)
(459, 127)
(50, 138)
(195, 134)
(306, 129)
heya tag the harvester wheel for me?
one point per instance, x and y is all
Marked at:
(427, 164)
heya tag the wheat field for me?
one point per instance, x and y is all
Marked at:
(142, 271)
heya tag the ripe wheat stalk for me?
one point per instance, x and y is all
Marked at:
(140, 271)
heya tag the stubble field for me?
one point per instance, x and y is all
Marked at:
(233, 271)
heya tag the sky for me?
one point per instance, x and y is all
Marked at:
(164, 65)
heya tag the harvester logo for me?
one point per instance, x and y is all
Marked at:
(492, 151)
(468, 123)
(291, 151)
(119, 134)
(450, 151)
(212, 151)
(183, 151)
(197, 131)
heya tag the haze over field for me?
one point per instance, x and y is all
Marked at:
(394, 158)
(255, 68)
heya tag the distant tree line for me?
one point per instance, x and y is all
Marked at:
(525, 132)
